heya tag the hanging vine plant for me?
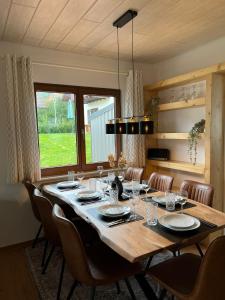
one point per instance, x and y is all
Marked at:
(193, 138)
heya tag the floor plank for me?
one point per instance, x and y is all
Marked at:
(16, 281)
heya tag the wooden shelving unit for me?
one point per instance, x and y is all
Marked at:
(212, 171)
(178, 165)
(182, 104)
(172, 136)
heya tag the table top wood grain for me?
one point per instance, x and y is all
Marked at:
(133, 240)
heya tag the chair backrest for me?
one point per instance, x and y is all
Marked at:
(160, 182)
(197, 191)
(45, 209)
(30, 189)
(134, 174)
(73, 247)
(210, 281)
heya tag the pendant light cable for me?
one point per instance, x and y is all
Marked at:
(118, 58)
(132, 52)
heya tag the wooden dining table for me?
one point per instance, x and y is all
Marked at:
(134, 240)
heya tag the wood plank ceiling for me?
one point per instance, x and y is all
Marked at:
(163, 28)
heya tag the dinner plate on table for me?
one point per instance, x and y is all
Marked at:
(129, 186)
(179, 222)
(113, 210)
(67, 184)
(161, 200)
(88, 195)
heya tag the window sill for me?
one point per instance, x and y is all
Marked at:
(50, 179)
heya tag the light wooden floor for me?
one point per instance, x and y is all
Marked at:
(16, 282)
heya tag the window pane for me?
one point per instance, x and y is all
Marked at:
(97, 111)
(57, 129)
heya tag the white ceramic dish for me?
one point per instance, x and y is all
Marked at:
(67, 184)
(166, 222)
(129, 186)
(161, 200)
(88, 195)
(114, 210)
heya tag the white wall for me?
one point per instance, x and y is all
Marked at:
(16, 219)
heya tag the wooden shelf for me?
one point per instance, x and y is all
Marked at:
(182, 104)
(172, 136)
(179, 165)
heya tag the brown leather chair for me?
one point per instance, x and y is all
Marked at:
(188, 277)
(30, 188)
(134, 174)
(160, 182)
(100, 266)
(200, 192)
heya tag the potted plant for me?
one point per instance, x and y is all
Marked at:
(193, 138)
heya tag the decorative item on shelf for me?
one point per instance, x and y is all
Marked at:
(158, 154)
(193, 138)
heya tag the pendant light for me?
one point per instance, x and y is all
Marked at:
(146, 126)
(110, 127)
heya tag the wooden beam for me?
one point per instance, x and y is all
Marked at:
(182, 104)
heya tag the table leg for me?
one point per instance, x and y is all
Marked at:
(148, 291)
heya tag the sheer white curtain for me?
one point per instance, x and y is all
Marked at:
(22, 137)
(134, 105)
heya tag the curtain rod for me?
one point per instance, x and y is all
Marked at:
(77, 68)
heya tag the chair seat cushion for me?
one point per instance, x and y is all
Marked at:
(107, 266)
(177, 274)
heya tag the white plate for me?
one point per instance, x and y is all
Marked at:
(129, 186)
(88, 194)
(113, 210)
(179, 220)
(164, 222)
(67, 184)
(161, 200)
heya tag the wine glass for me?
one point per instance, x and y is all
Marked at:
(145, 187)
(135, 198)
(80, 177)
(100, 170)
(182, 198)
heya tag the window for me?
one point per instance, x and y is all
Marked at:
(71, 127)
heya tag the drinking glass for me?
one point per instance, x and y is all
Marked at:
(182, 198)
(111, 177)
(100, 170)
(80, 177)
(71, 175)
(146, 187)
(135, 199)
(113, 193)
(92, 184)
(170, 201)
(152, 213)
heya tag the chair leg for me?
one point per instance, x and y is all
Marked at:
(72, 290)
(48, 259)
(44, 253)
(61, 279)
(174, 253)
(162, 294)
(178, 252)
(118, 287)
(37, 236)
(92, 296)
(130, 289)
(199, 249)
(148, 263)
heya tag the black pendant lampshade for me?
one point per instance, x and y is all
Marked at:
(120, 126)
(146, 126)
(110, 127)
(132, 126)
